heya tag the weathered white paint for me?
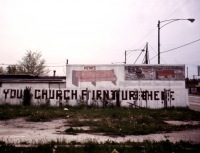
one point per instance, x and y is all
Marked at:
(65, 96)
(156, 86)
(11, 89)
(118, 73)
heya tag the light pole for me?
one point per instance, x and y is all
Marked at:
(128, 51)
(168, 22)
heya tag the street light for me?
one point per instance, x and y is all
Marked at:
(168, 22)
(128, 51)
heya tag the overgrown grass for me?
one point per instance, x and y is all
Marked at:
(110, 121)
(73, 131)
(107, 147)
(33, 113)
(129, 121)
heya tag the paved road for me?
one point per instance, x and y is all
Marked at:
(194, 102)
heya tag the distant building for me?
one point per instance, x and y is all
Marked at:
(193, 86)
(22, 81)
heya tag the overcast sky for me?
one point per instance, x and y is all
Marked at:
(99, 31)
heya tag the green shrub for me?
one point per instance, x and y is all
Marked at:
(27, 96)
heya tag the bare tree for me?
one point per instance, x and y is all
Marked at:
(33, 63)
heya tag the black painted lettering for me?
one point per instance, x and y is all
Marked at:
(113, 94)
(66, 97)
(162, 95)
(133, 95)
(73, 94)
(51, 94)
(37, 94)
(6, 91)
(84, 94)
(12, 93)
(156, 95)
(150, 95)
(172, 95)
(124, 95)
(144, 95)
(117, 98)
(19, 94)
(105, 94)
(59, 94)
(98, 94)
(44, 94)
(93, 94)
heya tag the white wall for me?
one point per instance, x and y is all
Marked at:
(154, 78)
(13, 92)
(152, 86)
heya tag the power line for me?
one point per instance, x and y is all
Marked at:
(177, 9)
(55, 63)
(142, 50)
(55, 66)
(140, 53)
(8, 64)
(152, 30)
(176, 48)
(18, 65)
(180, 46)
(156, 54)
(138, 56)
(129, 55)
(154, 57)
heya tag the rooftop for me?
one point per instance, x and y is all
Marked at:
(30, 78)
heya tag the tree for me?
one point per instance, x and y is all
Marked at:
(27, 96)
(1, 70)
(12, 69)
(32, 63)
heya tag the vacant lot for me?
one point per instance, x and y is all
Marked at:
(109, 121)
(65, 125)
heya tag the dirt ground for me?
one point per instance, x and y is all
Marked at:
(19, 131)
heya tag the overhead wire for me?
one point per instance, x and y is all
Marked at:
(153, 29)
(133, 52)
(129, 55)
(178, 8)
(55, 66)
(143, 60)
(45, 65)
(180, 46)
(176, 48)
(140, 53)
(138, 57)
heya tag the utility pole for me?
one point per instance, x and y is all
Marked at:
(125, 57)
(146, 55)
(67, 62)
(66, 66)
(159, 27)
(158, 41)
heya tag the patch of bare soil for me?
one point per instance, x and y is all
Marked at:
(183, 122)
(20, 131)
